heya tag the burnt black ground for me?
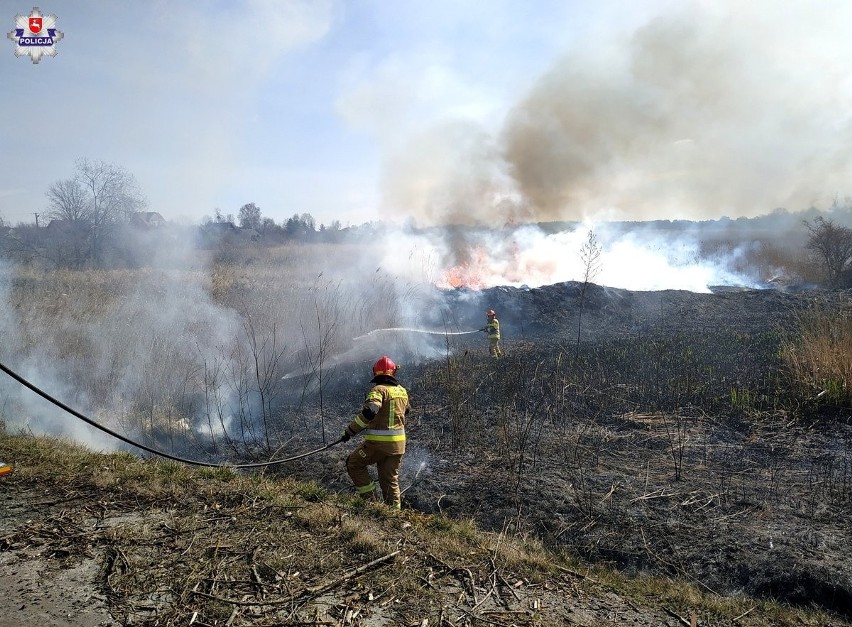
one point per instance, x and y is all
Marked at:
(667, 440)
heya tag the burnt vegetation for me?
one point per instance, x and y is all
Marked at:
(698, 438)
(689, 443)
(666, 436)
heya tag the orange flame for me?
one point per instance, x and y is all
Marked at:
(469, 274)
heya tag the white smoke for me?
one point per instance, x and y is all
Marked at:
(530, 257)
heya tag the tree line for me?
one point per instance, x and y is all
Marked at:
(96, 218)
(300, 227)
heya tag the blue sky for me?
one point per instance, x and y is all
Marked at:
(443, 111)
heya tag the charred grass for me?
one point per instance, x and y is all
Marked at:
(700, 456)
(178, 545)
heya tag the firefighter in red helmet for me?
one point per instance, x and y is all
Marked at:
(382, 419)
(492, 331)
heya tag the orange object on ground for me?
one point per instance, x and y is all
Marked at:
(6, 469)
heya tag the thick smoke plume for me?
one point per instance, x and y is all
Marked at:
(710, 110)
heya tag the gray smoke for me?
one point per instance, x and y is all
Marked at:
(710, 110)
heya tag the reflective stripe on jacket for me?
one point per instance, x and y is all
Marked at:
(388, 405)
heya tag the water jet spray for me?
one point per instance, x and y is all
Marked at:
(353, 352)
(416, 477)
(413, 330)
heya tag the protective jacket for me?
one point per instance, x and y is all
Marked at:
(382, 418)
(492, 329)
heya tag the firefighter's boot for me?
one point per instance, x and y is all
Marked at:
(367, 492)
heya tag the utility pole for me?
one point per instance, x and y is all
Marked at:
(36, 215)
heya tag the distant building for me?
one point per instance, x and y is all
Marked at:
(60, 226)
(147, 220)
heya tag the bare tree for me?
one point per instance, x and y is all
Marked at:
(68, 201)
(112, 196)
(267, 357)
(832, 246)
(328, 310)
(249, 216)
(590, 255)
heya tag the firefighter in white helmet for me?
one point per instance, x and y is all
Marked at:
(492, 331)
(382, 419)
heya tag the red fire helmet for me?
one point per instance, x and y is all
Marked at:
(490, 312)
(385, 365)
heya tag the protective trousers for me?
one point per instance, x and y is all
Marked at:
(387, 465)
(494, 348)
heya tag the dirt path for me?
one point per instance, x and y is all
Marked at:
(44, 591)
(41, 583)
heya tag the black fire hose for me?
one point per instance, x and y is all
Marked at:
(127, 440)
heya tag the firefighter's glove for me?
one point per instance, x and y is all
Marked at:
(344, 437)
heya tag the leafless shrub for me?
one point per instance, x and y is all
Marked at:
(240, 386)
(590, 256)
(459, 389)
(677, 430)
(266, 355)
(321, 340)
(831, 244)
(583, 441)
(522, 411)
